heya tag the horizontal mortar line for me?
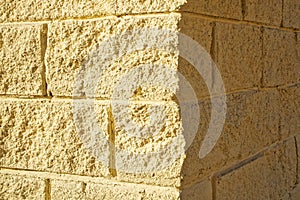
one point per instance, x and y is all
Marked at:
(253, 157)
(198, 181)
(73, 177)
(156, 14)
(94, 18)
(41, 97)
(283, 86)
(70, 99)
(236, 21)
(246, 90)
(235, 165)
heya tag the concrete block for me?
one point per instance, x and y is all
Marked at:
(21, 70)
(41, 135)
(238, 54)
(268, 12)
(291, 13)
(272, 176)
(16, 187)
(281, 62)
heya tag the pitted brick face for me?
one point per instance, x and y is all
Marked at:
(59, 140)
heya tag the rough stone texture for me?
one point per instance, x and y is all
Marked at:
(269, 12)
(200, 30)
(21, 60)
(137, 155)
(48, 157)
(252, 123)
(37, 10)
(67, 189)
(295, 194)
(238, 55)
(226, 8)
(277, 172)
(71, 42)
(14, 187)
(281, 59)
(109, 190)
(41, 135)
(289, 111)
(148, 6)
(198, 191)
(291, 13)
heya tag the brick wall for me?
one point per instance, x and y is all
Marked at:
(255, 45)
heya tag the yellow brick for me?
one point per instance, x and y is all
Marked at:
(37, 10)
(71, 42)
(21, 60)
(200, 30)
(289, 109)
(41, 135)
(21, 187)
(252, 123)
(226, 8)
(138, 157)
(281, 62)
(238, 55)
(269, 12)
(291, 13)
(198, 191)
(61, 189)
(272, 176)
(295, 194)
(107, 190)
(148, 6)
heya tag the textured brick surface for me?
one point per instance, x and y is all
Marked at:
(21, 64)
(252, 123)
(16, 187)
(50, 147)
(71, 42)
(37, 10)
(139, 154)
(238, 55)
(269, 12)
(291, 13)
(148, 6)
(109, 190)
(200, 30)
(281, 62)
(226, 8)
(277, 172)
(41, 135)
(198, 191)
(289, 111)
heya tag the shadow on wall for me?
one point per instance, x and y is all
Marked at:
(247, 56)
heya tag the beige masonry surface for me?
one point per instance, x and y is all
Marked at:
(45, 152)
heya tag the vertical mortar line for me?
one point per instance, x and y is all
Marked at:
(297, 161)
(44, 37)
(262, 58)
(213, 50)
(214, 187)
(282, 9)
(243, 2)
(112, 149)
(47, 189)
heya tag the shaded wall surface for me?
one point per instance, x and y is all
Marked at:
(44, 45)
